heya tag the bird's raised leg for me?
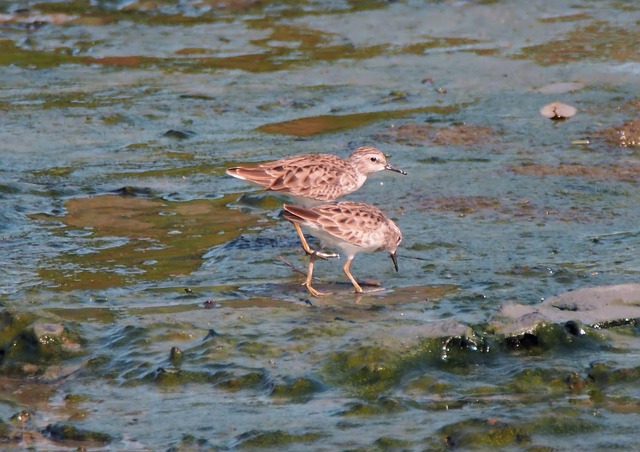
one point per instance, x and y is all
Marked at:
(307, 248)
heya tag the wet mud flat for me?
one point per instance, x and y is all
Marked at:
(148, 301)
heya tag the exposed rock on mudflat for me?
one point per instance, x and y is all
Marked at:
(594, 306)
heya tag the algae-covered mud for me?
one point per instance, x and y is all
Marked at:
(150, 302)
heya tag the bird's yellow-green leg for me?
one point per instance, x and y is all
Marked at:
(357, 287)
(346, 271)
(307, 248)
(307, 283)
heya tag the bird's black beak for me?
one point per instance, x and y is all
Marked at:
(394, 258)
(396, 170)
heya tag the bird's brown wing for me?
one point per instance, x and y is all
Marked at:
(299, 214)
(323, 177)
(349, 221)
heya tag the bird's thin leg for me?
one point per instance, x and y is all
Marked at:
(305, 245)
(307, 248)
(347, 272)
(307, 283)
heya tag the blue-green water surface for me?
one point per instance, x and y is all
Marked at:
(186, 325)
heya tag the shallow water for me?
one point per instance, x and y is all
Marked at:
(117, 221)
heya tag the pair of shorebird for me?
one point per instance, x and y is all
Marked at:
(315, 182)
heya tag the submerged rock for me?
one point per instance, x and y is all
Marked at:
(39, 349)
(448, 328)
(179, 134)
(65, 432)
(487, 433)
(46, 332)
(176, 356)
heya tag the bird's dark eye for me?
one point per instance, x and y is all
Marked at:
(374, 159)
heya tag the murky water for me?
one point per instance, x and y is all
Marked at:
(185, 324)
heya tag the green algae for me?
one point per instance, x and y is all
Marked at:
(173, 377)
(617, 404)
(116, 118)
(255, 348)
(476, 433)
(303, 335)
(249, 380)
(85, 314)
(386, 443)
(428, 384)
(54, 172)
(11, 324)
(5, 431)
(565, 421)
(457, 355)
(11, 54)
(602, 375)
(314, 125)
(274, 439)
(313, 45)
(190, 443)
(298, 389)
(369, 371)
(540, 383)
(596, 41)
(89, 12)
(366, 370)
(384, 406)
(76, 398)
(300, 45)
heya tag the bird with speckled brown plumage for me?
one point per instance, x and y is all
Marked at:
(352, 227)
(313, 179)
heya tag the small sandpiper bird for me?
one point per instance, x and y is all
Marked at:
(352, 227)
(314, 179)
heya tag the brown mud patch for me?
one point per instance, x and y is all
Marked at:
(632, 106)
(342, 294)
(564, 18)
(503, 209)
(625, 136)
(629, 172)
(315, 125)
(460, 135)
(597, 41)
(285, 47)
(155, 239)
